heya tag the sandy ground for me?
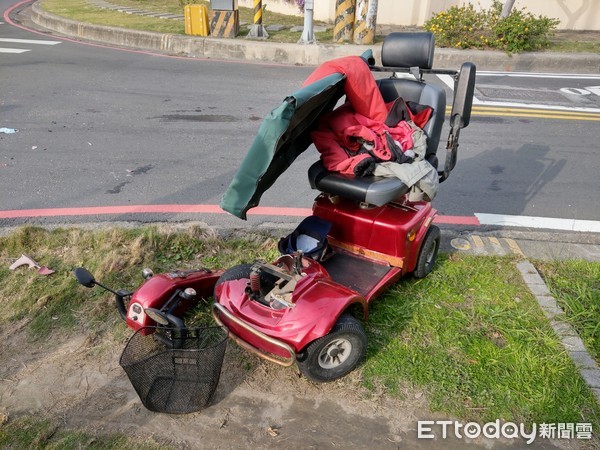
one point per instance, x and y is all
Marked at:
(78, 383)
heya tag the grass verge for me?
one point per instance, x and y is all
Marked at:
(576, 286)
(474, 338)
(470, 335)
(84, 11)
(115, 257)
(33, 433)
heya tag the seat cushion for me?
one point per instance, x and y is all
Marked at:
(373, 190)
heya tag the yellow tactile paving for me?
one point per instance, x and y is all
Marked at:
(487, 245)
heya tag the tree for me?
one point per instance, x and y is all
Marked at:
(507, 8)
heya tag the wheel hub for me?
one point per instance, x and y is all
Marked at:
(335, 353)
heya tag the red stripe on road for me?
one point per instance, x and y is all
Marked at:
(103, 210)
(187, 209)
(147, 209)
(277, 211)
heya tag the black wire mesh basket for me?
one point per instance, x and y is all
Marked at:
(172, 370)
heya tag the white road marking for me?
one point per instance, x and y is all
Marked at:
(550, 223)
(490, 73)
(29, 41)
(13, 50)
(449, 81)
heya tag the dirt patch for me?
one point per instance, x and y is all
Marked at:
(78, 383)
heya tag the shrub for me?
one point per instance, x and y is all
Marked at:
(466, 27)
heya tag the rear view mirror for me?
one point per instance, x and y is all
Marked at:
(84, 277)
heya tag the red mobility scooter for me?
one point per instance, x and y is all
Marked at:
(364, 233)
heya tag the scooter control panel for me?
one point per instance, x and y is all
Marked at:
(136, 313)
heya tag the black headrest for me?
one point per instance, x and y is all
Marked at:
(405, 49)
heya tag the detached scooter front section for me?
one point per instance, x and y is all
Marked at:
(161, 299)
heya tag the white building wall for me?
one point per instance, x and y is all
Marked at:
(573, 14)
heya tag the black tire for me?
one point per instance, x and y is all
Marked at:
(267, 281)
(235, 273)
(335, 354)
(428, 253)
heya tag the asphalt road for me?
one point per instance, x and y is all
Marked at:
(107, 127)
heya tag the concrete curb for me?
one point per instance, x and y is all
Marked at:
(568, 336)
(297, 54)
(196, 47)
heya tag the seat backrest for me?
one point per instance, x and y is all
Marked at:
(401, 51)
(414, 50)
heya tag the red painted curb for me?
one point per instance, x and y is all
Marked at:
(187, 209)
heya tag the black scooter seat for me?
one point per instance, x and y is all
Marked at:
(373, 190)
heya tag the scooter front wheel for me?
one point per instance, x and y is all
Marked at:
(335, 354)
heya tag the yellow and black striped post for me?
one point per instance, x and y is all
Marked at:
(344, 20)
(365, 21)
(225, 24)
(257, 30)
(258, 12)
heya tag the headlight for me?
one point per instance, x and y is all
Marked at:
(147, 273)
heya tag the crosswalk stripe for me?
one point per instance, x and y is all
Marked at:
(28, 41)
(13, 50)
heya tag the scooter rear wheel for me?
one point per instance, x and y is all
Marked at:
(428, 253)
(335, 354)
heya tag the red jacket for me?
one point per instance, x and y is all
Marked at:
(340, 134)
(360, 87)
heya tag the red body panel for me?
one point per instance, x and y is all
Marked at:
(392, 231)
(157, 290)
(383, 229)
(318, 303)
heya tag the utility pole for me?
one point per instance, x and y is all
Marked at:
(308, 35)
(257, 30)
(507, 8)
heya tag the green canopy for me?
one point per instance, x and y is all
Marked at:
(283, 135)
